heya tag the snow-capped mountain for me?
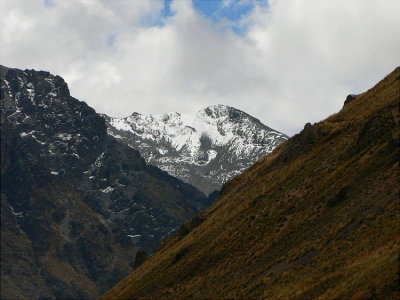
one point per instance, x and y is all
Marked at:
(204, 149)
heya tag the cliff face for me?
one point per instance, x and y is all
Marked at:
(316, 218)
(76, 203)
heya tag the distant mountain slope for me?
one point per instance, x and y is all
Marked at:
(204, 149)
(81, 171)
(317, 218)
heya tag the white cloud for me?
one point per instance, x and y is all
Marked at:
(296, 63)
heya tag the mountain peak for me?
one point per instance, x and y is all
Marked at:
(218, 108)
(217, 111)
(204, 148)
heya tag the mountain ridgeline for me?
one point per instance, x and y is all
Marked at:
(205, 149)
(316, 218)
(76, 203)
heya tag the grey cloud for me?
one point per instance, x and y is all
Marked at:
(296, 64)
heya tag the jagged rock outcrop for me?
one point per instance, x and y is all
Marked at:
(349, 98)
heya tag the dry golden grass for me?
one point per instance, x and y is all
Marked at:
(316, 219)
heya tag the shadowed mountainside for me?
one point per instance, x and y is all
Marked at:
(76, 203)
(53, 246)
(319, 217)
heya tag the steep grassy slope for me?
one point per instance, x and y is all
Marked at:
(318, 218)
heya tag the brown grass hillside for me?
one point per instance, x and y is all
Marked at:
(318, 218)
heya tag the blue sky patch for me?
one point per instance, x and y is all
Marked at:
(160, 21)
(166, 12)
(226, 12)
(48, 3)
(111, 40)
(231, 10)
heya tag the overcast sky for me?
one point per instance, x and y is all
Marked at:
(284, 62)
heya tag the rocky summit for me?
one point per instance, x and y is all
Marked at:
(205, 149)
(76, 203)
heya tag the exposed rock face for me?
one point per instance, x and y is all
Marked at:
(76, 195)
(52, 244)
(315, 219)
(204, 149)
(349, 98)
